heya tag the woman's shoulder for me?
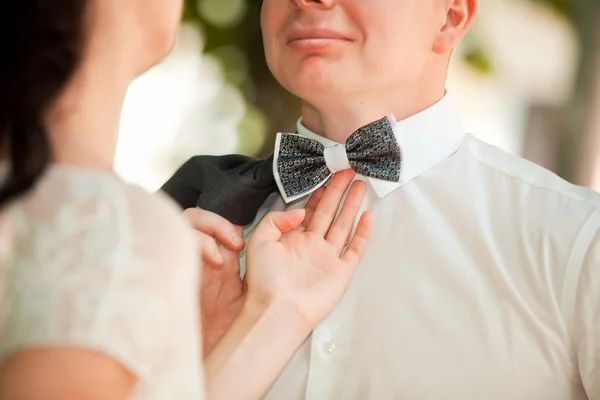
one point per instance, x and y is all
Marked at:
(99, 209)
(99, 193)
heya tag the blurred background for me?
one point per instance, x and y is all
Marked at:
(526, 79)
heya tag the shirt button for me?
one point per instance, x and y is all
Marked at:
(330, 347)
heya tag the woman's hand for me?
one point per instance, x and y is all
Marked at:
(221, 290)
(298, 268)
(299, 259)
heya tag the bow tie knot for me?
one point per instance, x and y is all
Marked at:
(302, 165)
(336, 158)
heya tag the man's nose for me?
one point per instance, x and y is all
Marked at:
(304, 4)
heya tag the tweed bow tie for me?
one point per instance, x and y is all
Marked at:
(303, 165)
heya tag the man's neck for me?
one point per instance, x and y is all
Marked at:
(339, 121)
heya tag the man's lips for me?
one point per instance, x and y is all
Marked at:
(315, 36)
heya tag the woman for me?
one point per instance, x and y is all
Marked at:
(98, 279)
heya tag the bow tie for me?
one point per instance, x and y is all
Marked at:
(236, 187)
(302, 165)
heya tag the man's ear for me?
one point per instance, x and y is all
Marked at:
(458, 19)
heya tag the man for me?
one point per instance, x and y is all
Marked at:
(481, 280)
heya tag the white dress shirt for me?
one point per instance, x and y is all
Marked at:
(481, 281)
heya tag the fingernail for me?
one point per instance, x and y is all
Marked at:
(237, 239)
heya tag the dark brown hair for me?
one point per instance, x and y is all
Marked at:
(41, 42)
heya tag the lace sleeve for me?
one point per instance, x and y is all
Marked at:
(114, 272)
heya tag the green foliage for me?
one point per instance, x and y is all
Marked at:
(232, 35)
(478, 59)
(565, 8)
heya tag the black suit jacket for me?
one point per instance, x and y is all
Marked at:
(232, 186)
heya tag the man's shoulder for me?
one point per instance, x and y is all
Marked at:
(527, 175)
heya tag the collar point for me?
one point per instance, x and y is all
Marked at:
(383, 188)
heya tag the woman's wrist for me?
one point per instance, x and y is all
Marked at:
(265, 336)
(283, 316)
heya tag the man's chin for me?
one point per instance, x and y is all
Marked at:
(319, 87)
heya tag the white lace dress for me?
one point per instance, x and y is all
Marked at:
(89, 261)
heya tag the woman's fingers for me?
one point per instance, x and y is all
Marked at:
(209, 251)
(211, 224)
(325, 211)
(342, 228)
(358, 243)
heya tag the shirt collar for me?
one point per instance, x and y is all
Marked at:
(426, 139)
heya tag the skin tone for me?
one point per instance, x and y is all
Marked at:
(297, 266)
(351, 62)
